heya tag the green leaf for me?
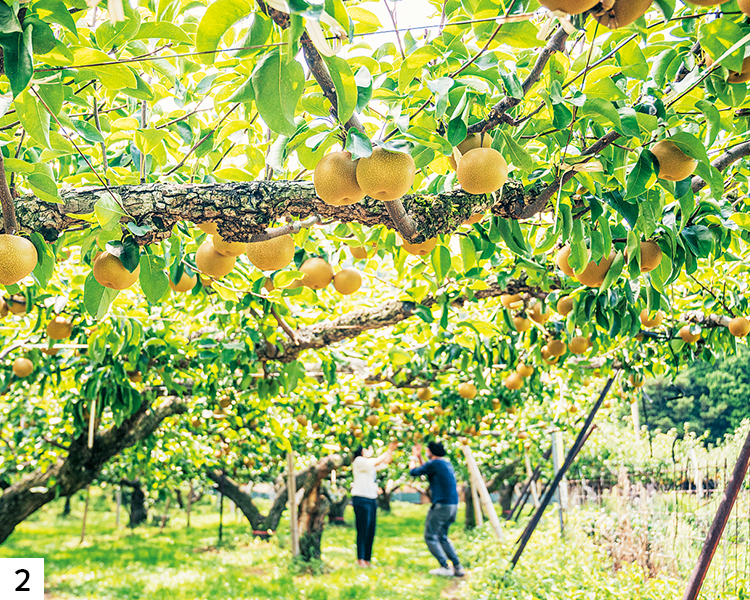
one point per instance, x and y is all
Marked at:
(96, 297)
(358, 144)
(43, 184)
(717, 37)
(258, 34)
(42, 36)
(153, 278)
(115, 77)
(713, 120)
(468, 252)
(278, 88)
(53, 95)
(441, 263)
(34, 118)
(110, 35)
(162, 30)
(55, 11)
(108, 211)
(691, 146)
(518, 155)
(346, 87)
(217, 19)
(18, 60)
(9, 22)
(640, 175)
(244, 93)
(45, 266)
(699, 240)
(127, 251)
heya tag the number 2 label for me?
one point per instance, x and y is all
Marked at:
(22, 578)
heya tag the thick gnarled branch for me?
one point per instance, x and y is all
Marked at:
(242, 210)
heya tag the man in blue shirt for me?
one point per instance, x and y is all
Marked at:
(442, 514)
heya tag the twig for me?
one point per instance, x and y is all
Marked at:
(392, 13)
(287, 229)
(284, 325)
(102, 145)
(711, 292)
(85, 158)
(203, 139)
(10, 225)
(55, 444)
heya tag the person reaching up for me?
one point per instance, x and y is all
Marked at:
(442, 513)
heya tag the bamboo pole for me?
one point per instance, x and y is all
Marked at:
(92, 419)
(478, 517)
(292, 498)
(532, 479)
(85, 514)
(489, 507)
(728, 499)
(575, 449)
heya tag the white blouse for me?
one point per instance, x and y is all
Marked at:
(365, 474)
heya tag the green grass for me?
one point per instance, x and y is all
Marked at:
(177, 563)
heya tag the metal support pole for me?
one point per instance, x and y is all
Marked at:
(582, 436)
(532, 480)
(720, 520)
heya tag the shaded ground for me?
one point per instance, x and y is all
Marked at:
(181, 564)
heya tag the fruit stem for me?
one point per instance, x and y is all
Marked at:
(405, 225)
(289, 228)
(10, 224)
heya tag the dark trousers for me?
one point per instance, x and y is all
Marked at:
(365, 517)
(439, 520)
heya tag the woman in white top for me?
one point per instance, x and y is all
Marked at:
(364, 497)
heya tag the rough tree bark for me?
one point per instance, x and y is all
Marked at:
(313, 507)
(80, 466)
(138, 511)
(384, 500)
(337, 503)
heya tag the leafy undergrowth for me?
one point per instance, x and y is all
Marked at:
(182, 564)
(569, 569)
(179, 564)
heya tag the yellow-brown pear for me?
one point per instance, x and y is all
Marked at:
(674, 164)
(467, 390)
(209, 228)
(228, 248)
(688, 336)
(514, 381)
(521, 324)
(524, 370)
(561, 260)
(271, 255)
(651, 256)
(335, 179)
(111, 273)
(570, 7)
(185, 284)
(211, 263)
(59, 328)
(18, 257)
(482, 171)
(579, 345)
(318, 273)
(470, 143)
(386, 175)
(564, 305)
(623, 13)
(347, 281)
(22, 367)
(651, 322)
(744, 6)
(594, 274)
(422, 249)
(739, 327)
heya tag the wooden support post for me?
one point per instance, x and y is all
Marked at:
(489, 507)
(478, 517)
(580, 440)
(532, 480)
(92, 421)
(85, 514)
(728, 499)
(189, 503)
(292, 494)
(532, 487)
(118, 499)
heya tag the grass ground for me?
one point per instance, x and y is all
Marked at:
(182, 564)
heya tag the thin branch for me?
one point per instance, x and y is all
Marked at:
(392, 14)
(10, 225)
(102, 145)
(203, 139)
(284, 325)
(711, 292)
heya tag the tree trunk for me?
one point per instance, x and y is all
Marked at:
(178, 497)
(312, 516)
(337, 504)
(138, 510)
(309, 480)
(66, 508)
(384, 500)
(81, 465)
